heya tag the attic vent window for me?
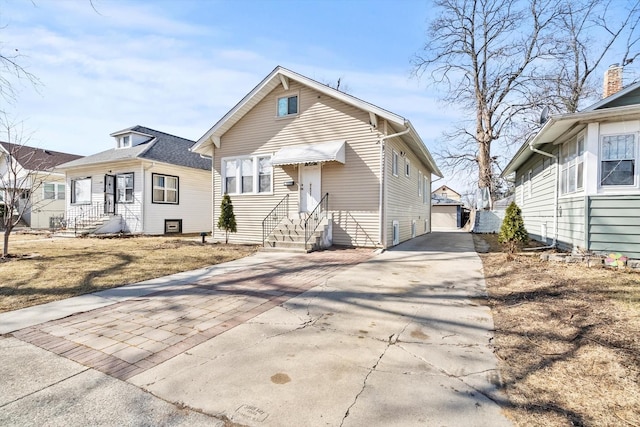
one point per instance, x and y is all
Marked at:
(287, 105)
(124, 141)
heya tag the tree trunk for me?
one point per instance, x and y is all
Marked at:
(5, 246)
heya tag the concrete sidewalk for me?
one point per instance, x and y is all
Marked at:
(399, 339)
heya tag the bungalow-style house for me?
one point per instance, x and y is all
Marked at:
(577, 179)
(149, 183)
(308, 165)
(29, 180)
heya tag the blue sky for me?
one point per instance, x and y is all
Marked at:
(179, 66)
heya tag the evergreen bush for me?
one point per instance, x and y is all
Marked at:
(513, 235)
(227, 219)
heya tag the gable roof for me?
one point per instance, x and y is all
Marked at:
(36, 159)
(282, 76)
(159, 146)
(614, 107)
(445, 188)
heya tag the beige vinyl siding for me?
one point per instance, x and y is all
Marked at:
(194, 197)
(403, 203)
(131, 213)
(537, 207)
(42, 210)
(353, 186)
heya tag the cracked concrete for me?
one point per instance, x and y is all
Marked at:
(397, 340)
(401, 339)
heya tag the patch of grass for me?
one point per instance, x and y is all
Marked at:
(45, 270)
(567, 339)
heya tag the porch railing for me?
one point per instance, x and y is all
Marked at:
(82, 215)
(271, 221)
(315, 218)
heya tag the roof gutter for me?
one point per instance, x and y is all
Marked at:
(383, 182)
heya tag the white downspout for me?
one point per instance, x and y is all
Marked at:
(383, 182)
(555, 198)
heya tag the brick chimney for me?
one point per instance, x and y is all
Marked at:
(612, 80)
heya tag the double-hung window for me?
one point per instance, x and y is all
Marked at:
(124, 141)
(419, 183)
(124, 188)
(81, 191)
(617, 159)
(426, 198)
(53, 191)
(287, 105)
(572, 169)
(165, 189)
(247, 175)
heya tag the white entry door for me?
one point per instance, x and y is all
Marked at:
(309, 187)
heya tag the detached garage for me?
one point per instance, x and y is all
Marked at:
(446, 213)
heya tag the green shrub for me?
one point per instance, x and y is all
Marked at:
(227, 219)
(512, 234)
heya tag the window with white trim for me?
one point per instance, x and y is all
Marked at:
(407, 167)
(52, 191)
(419, 183)
(425, 190)
(81, 191)
(287, 105)
(247, 175)
(522, 190)
(124, 141)
(165, 189)
(124, 188)
(617, 159)
(572, 166)
(394, 163)
(529, 184)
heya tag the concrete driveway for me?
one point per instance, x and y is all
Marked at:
(338, 338)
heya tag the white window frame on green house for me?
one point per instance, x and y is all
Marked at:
(53, 191)
(165, 189)
(572, 165)
(124, 187)
(247, 174)
(284, 105)
(78, 187)
(618, 156)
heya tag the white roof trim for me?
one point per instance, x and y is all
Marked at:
(310, 153)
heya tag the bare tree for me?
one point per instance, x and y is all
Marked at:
(587, 31)
(502, 60)
(487, 52)
(10, 68)
(22, 172)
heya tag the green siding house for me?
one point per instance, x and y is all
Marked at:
(577, 179)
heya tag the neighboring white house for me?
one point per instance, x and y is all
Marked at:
(295, 151)
(150, 183)
(577, 180)
(29, 174)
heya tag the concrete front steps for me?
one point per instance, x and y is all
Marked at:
(85, 228)
(289, 236)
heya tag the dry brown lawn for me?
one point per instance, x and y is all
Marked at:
(567, 339)
(45, 269)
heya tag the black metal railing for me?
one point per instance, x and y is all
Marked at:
(315, 218)
(271, 221)
(80, 216)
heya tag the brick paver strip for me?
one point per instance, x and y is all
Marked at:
(154, 328)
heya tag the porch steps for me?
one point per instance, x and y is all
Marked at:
(289, 236)
(84, 228)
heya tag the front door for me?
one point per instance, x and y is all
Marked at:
(110, 194)
(309, 187)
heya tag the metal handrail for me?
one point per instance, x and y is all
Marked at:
(82, 215)
(277, 214)
(315, 218)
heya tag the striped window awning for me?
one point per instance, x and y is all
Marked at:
(333, 151)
